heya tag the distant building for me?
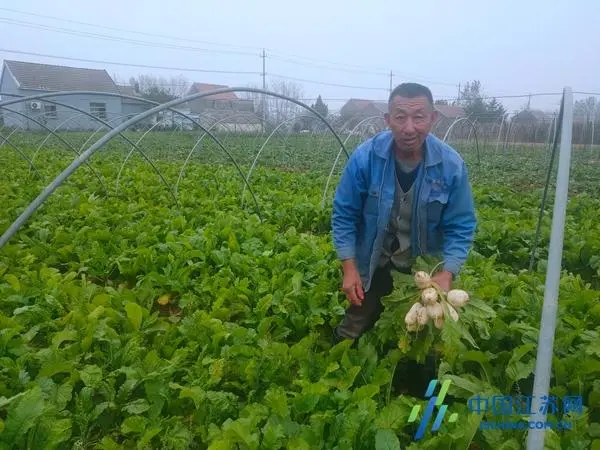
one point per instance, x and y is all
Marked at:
(226, 111)
(532, 116)
(26, 79)
(450, 112)
(359, 109)
(132, 107)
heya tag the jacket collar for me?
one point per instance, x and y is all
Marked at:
(384, 146)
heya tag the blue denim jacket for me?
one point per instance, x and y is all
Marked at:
(443, 211)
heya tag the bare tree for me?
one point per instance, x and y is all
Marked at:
(276, 110)
(160, 89)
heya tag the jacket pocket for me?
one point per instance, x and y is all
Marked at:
(372, 201)
(436, 203)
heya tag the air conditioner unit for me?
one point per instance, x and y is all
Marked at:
(36, 105)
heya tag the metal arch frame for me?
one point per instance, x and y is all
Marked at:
(51, 132)
(473, 127)
(23, 155)
(344, 125)
(171, 103)
(110, 94)
(13, 131)
(276, 129)
(440, 120)
(338, 157)
(74, 108)
(59, 126)
(133, 147)
(37, 202)
(108, 124)
(504, 117)
(212, 125)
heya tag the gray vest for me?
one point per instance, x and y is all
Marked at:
(400, 225)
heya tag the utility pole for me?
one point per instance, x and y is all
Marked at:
(391, 81)
(264, 86)
(529, 102)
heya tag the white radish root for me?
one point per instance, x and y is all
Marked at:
(435, 311)
(453, 312)
(422, 317)
(422, 279)
(429, 296)
(457, 298)
(411, 315)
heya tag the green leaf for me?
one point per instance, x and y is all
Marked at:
(138, 406)
(594, 430)
(134, 314)
(517, 370)
(23, 414)
(386, 440)
(297, 282)
(393, 416)
(13, 281)
(364, 392)
(5, 401)
(297, 443)
(62, 336)
(91, 375)
(134, 424)
(59, 431)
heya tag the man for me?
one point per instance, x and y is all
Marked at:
(403, 193)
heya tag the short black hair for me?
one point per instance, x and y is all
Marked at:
(411, 90)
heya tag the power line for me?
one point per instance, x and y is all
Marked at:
(113, 63)
(117, 39)
(185, 69)
(319, 66)
(273, 54)
(141, 33)
(304, 80)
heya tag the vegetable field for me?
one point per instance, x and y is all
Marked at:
(129, 321)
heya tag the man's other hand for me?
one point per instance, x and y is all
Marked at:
(443, 280)
(352, 286)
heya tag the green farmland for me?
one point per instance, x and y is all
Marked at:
(129, 320)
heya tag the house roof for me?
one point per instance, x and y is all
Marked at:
(450, 111)
(46, 77)
(535, 114)
(357, 105)
(203, 87)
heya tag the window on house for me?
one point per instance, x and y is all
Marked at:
(98, 110)
(50, 111)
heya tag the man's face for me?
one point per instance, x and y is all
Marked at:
(410, 120)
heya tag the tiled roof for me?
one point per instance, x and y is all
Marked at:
(48, 77)
(451, 111)
(202, 87)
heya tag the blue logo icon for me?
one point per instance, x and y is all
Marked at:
(433, 401)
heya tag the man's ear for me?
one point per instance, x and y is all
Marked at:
(434, 116)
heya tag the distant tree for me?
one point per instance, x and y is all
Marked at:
(276, 110)
(320, 107)
(588, 107)
(160, 89)
(441, 102)
(472, 100)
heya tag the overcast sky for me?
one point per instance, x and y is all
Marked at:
(512, 47)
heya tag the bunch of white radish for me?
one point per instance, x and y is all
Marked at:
(431, 303)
